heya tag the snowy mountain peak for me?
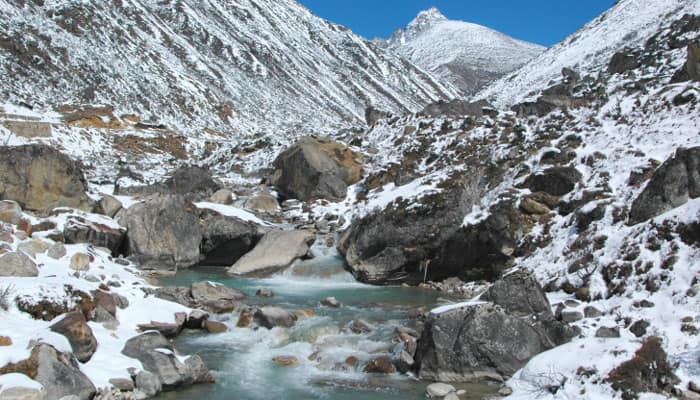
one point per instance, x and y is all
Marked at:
(467, 55)
(426, 18)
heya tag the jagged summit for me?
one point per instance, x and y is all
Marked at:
(464, 54)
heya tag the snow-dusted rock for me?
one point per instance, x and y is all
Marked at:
(215, 297)
(275, 251)
(10, 212)
(75, 328)
(17, 264)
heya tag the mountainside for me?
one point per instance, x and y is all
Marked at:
(465, 54)
(626, 24)
(230, 66)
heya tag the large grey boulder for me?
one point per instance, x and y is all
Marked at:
(490, 340)
(225, 239)
(17, 264)
(215, 297)
(81, 230)
(196, 183)
(40, 178)
(396, 244)
(75, 328)
(59, 373)
(276, 251)
(316, 169)
(556, 181)
(163, 233)
(673, 183)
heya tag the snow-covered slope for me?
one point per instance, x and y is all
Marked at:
(627, 24)
(230, 66)
(466, 55)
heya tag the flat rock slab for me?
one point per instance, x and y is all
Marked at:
(276, 251)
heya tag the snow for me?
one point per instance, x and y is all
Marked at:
(18, 380)
(231, 211)
(456, 306)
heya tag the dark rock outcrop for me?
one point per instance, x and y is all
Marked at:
(624, 60)
(40, 178)
(458, 108)
(162, 233)
(691, 68)
(194, 182)
(675, 182)
(316, 169)
(225, 239)
(490, 340)
(373, 115)
(395, 245)
(556, 181)
(82, 230)
(276, 251)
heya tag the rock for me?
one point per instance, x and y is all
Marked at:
(405, 362)
(17, 264)
(214, 326)
(394, 245)
(59, 373)
(592, 312)
(57, 251)
(569, 316)
(33, 247)
(148, 383)
(123, 385)
(648, 371)
(380, 365)
(330, 302)
(180, 295)
(106, 300)
(691, 69)
(75, 328)
(223, 196)
(275, 252)
(624, 60)
(157, 356)
(21, 393)
(675, 182)
(5, 341)
(10, 212)
(490, 340)
(197, 370)
(245, 319)
(533, 207)
(81, 230)
(315, 169)
(271, 317)
(196, 319)
(215, 297)
(263, 203)
(439, 390)
(167, 329)
(264, 292)
(373, 115)
(361, 327)
(194, 183)
(40, 178)
(225, 239)
(80, 262)
(162, 233)
(639, 328)
(285, 361)
(458, 108)
(605, 332)
(556, 181)
(109, 205)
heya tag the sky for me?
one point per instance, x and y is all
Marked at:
(545, 22)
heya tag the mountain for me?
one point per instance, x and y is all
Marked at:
(626, 24)
(464, 54)
(230, 66)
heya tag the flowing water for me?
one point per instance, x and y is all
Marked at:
(241, 359)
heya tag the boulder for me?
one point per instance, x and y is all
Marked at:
(163, 233)
(109, 205)
(215, 297)
(556, 181)
(691, 69)
(373, 115)
(214, 326)
(330, 302)
(22, 393)
(275, 252)
(380, 365)
(17, 264)
(675, 182)
(40, 178)
(458, 108)
(439, 390)
(195, 183)
(10, 212)
(263, 203)
(493, 339)
(225, 239)
(395, 245)
(80, 262)
(75, 328)
(316, 169)
(270, 317)
(81, 230)
(167, 329)
(57, 251)
(59, 373)
(223, 196)
(148, 383)
(33, 247)
(624, 60)
(157, 356)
